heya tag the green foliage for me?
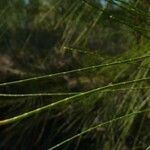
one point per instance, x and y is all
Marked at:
(87, 74)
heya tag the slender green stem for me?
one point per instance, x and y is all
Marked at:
(148, 148)
(38, 94)
(68, 100)
(75, 71)
(136, 28)
(67, 94)
(98, 126)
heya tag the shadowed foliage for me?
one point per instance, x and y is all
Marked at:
(74, 74)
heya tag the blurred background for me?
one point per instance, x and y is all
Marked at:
(40, 37)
